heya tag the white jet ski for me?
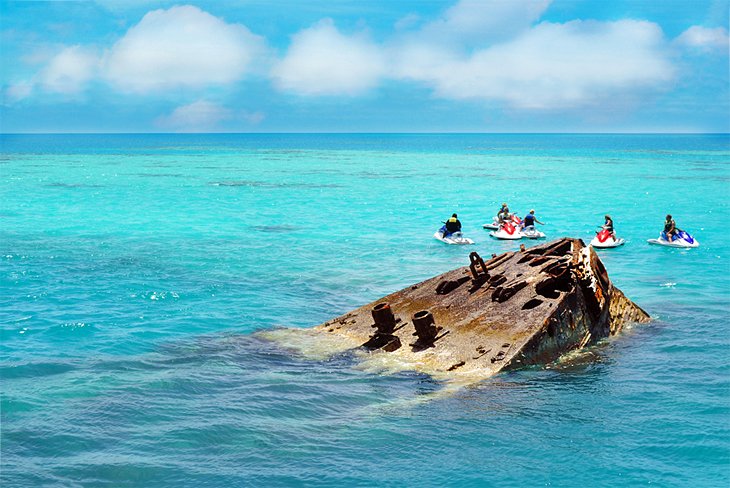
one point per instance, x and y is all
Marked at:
(452, 238)
(683, 239)
(530, 232)
(495, 223)
(604, 240)
(507, 231)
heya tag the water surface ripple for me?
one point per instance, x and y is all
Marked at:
(140, 274)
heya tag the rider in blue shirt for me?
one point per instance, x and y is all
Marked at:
(503, 213)
(530, 220)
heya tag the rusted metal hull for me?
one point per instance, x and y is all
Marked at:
(519, 308)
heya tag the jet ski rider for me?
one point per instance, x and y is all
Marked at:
(530, 219)
(670, 228)
(453, 225)
(503, 213)
(609, 226)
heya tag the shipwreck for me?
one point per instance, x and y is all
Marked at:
(519, 308)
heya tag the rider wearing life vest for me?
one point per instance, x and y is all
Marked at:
(670, 228)
(453, 224)
(530, 219)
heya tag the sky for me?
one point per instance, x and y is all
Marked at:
(489, 66)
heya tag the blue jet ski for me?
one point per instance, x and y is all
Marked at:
(451, 237)
(683, 240)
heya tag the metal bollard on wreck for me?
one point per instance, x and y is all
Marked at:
(384, 325)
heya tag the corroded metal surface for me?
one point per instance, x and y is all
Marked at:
(519, 308)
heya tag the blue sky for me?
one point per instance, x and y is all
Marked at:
(365, 66)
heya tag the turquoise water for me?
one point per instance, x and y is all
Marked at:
(137, 271)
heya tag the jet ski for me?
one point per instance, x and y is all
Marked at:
(604, 240)
(682, 239)
(507, 231)
(495, 223)
(451, 237)
(530, 232)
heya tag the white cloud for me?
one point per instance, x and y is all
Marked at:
(69, 71)
(197, 116)
(16, 92)
(476, 50)
(407, 22)
(705, 38)
(489, 51)
(323, 61)
(549, 66)
(180, 47)
(478, 21)
(253, 118)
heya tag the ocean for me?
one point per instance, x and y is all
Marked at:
(142, 278)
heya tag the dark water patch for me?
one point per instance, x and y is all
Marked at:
(35, 370)
(47, 444)
(608, 162)
(275, 229)
(682, 178)
(72, 185)
(149, 362)
(492, 149)
(381, 176)
(707, 168)
(664, 152)
(10, 405)
(494, 177)
(287, 151)
(160, 175)
(266, 184)
(137, 471)
(311, 171)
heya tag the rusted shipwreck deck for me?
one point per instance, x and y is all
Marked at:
(519, 308)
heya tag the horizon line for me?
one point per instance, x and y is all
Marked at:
(363, 133)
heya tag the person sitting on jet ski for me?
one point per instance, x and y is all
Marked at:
(503, 213)
(670, 228)
(530, 219)
(609, 226)
(453, 225)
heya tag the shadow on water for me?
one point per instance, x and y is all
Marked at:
(266, 184)
(276, 229)
(72, 185)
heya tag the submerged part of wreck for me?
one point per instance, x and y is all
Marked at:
(519, 308)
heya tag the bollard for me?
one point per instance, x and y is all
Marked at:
(478, 268)
(383, 317)
(426, 329)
